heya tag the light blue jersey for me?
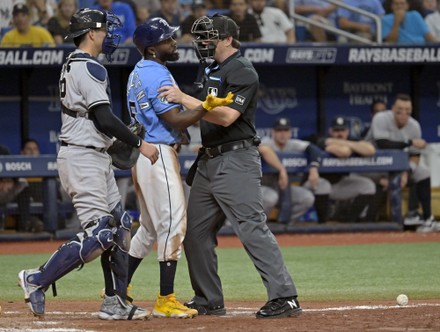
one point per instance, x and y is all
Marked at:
(144, 81)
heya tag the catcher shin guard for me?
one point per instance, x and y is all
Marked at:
(114, 263)
(83, 248)
(122, 236)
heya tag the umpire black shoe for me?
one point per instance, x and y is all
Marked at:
(282, 307)
(218, 310)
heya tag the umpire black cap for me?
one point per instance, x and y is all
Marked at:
(339, 123)
(225, 26)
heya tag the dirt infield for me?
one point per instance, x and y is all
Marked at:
(334, 316)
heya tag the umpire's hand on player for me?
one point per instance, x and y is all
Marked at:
(150, 151)
(171, 94)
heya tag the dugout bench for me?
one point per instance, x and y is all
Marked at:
(45, 166)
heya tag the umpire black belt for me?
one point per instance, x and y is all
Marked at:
(84, 146)
(231, 146)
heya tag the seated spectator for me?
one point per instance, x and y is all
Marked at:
(433, 22)
(428, 7)
(359, 24)
(41, 11)
(124, 12)
(25, 34)
(405, 27)
(198, 9)
(396, 129)
(275, 26)
(58, 25)
(249, 29)
(320, 11)
(354, 188)
(169, 11)
(293, 201)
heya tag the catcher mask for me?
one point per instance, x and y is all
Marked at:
(208, 30)
(87, 19)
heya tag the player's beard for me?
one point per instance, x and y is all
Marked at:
(171, 56)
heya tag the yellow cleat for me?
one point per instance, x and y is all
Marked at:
(168, 306)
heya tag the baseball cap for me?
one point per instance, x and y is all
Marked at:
(339, 123)
(225, 26)
(20, 8)
(282, 124)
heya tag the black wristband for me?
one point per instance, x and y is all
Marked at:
(409, 142)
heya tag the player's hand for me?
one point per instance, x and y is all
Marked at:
(283, 179)
(419, 143)
(212, 101)
(150, 151)
(170, 94)
(313, 177)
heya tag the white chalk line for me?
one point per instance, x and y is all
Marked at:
(240, 311)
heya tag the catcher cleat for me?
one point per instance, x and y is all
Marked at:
(168, 306)
(278, 308)
(129, 293)
(33, 294)
(218, 310)
(113, 308)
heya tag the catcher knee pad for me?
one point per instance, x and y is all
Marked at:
(96, 239)
(122, 237)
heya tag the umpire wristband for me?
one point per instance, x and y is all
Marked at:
(409, 142)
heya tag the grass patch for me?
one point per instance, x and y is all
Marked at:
(321, 273)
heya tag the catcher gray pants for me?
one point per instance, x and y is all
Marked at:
(229, 186)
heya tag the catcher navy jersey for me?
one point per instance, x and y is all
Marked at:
(83, 85)
(142, 87)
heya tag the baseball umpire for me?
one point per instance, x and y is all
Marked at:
(159, 186)
(88, 127)
(227, 184)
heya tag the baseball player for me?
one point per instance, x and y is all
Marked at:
(159, 186)
(88, 125)
(396, 129)
(315, 189)
(348, 186)
(227, 184)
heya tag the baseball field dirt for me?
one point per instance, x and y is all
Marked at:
(420, 315)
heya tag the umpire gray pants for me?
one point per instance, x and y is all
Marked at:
(229, 186)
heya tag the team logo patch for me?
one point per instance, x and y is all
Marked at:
(213, 91)
(164, 100)
(240, 100)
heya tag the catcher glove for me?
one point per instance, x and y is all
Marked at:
(125, 156)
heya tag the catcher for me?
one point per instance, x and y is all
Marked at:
(159, 186)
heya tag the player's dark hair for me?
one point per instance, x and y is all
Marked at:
(235, 43)
(77, 40)
(403, 97)
(375, 102)
(29, 140)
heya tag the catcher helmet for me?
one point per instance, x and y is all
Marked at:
(207, 30)
(87, 19)
(152, 32)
